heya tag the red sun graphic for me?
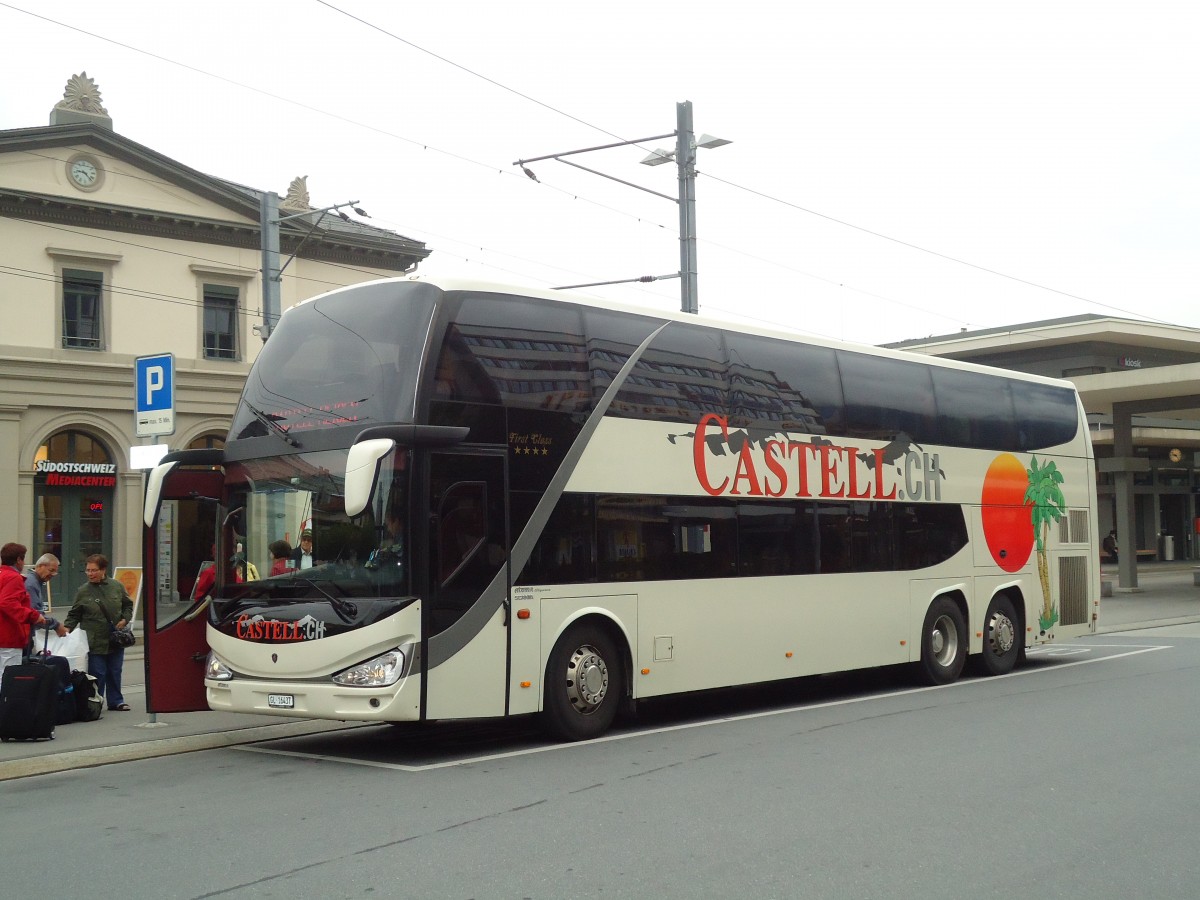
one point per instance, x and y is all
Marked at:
(1007, 523)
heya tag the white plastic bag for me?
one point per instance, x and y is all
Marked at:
(74, 646)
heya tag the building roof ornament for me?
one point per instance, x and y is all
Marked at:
(80, 103)
(82, 94)
(297, 195)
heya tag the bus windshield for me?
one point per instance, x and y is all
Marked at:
(337, 361)
(289, 537)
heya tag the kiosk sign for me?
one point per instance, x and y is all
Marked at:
(154, 395)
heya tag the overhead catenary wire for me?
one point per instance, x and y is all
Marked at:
(502, 170)
(761, 194)
(424, 145)
(575, 195)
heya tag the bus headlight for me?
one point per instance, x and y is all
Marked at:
(217, 670)
(381, 671)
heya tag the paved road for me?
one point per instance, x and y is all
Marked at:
(1167, 595)
(1070, 778)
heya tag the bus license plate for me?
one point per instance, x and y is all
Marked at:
(281, 701)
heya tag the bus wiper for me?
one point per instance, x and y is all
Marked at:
(345, 609)
(272, 424)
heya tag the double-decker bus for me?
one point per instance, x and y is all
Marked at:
(523, 502)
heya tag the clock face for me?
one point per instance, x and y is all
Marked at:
(84, 172)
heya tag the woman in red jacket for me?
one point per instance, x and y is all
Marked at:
(16, 615)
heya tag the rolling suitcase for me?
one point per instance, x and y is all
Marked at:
(66, 689)
(29, 695)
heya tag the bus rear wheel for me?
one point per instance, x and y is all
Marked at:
(943, 642)
(585, 681)
(1002, 642)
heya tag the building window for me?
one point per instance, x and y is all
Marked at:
(81, 309)
(220, 322)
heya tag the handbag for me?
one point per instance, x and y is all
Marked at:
(122, 637)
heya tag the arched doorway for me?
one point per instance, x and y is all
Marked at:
(74, 488)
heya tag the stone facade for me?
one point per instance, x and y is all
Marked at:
(113, 251)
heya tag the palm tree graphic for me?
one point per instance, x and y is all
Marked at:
(1047, 505)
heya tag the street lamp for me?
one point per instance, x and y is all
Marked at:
(684, 156)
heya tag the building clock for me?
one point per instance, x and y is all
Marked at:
(85, 172)
(1176, 455)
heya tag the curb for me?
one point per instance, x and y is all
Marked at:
(1143, 626)
(103, 756)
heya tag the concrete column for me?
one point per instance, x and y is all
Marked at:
(10, 466)
(1123, 487)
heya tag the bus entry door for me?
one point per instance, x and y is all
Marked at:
(177, 549)
(468, 556)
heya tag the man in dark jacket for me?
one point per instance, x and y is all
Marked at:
(1110, 545)
(302, 556)
(36, 580)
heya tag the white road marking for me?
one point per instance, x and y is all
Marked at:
(529, 751)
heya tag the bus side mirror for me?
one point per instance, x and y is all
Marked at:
(362, 473)
(154, 490)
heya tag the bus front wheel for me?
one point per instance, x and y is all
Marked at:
(943, 642)
(585, 680)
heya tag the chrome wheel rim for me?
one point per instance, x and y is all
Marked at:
(587, 679)
(1002, 634)
(943, 641)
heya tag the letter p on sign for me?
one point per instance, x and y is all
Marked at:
(154, 390)
(155, 378)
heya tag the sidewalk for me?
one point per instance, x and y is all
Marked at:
(1166, 595)
(124, 736)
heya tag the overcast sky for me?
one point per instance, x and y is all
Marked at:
(898, 169)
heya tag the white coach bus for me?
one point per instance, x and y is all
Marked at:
(522, 502)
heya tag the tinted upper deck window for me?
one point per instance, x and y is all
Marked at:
(886, 397)
(789, 386)
(679, 378)
(974, 410)
(532, 353)
(1046, 415)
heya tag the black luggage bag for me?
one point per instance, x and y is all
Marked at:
(65, 714)
(88, 705)
(29, 695)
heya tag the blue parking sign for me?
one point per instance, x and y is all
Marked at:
(154, 395)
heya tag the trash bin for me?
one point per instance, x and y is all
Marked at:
(1168, 552)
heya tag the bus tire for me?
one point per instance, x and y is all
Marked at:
(1002, 644)
(585, 683)
(943, 642)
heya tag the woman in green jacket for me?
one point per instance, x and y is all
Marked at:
(100, 605)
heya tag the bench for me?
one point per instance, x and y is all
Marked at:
(1147, 554)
